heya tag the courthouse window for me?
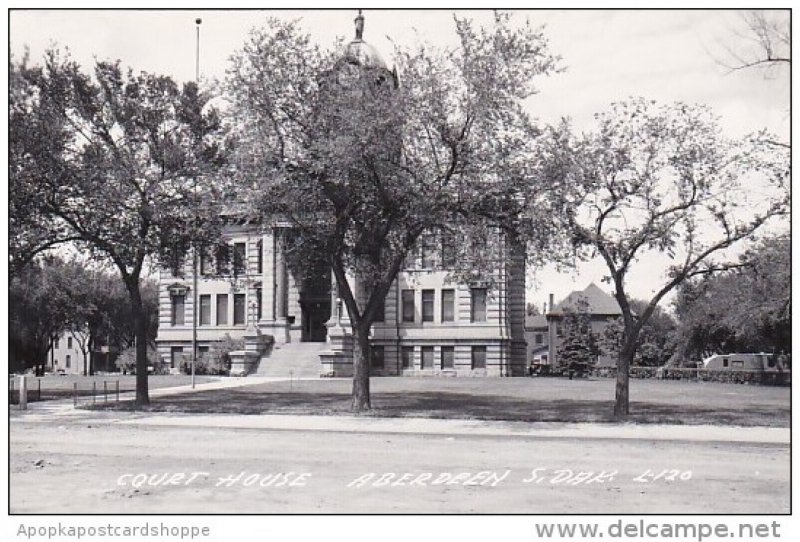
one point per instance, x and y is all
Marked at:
(205, 263)
(448, 251)
(238, 309)
(381, 312)
(428, 251)
(260, 261)
(448, 305)
(222, 309)
(239, 259)
(427, 357)
(478, 357)
(377, 357)
(178, 304)
(427, 305)
(448, 354)
(408, 357)
(223, 259)
(478, 312)
(205, 310)
(408, 305)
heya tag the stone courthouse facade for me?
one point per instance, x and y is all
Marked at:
(430, 325)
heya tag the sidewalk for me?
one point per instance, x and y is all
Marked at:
(65, 407)
(470, 428)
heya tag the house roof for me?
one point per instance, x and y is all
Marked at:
(598, 301)
(535, 321)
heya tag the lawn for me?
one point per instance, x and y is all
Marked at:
(519, 399)
(62, 386)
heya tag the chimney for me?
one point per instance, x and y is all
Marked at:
(551, 303)
(544, 308)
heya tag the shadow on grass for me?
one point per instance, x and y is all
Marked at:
(457, 406)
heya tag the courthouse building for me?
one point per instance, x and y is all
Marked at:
(430, 325)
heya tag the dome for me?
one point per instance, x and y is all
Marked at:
(360, 52)
(217, 104)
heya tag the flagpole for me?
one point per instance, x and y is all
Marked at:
(195, 308)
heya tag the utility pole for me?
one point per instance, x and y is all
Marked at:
(195, 308)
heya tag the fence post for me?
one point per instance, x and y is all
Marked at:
(11, 389)
(118, 390)
(23, 392)
(105, 393)
(75, 394)
(39, 395)
(94, 392)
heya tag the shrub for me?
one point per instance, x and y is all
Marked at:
(126, 361)
(218, 361)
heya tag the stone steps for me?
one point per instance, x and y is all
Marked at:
(299, 360)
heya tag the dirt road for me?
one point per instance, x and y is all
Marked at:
(94, 464)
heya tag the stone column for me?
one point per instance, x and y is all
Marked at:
(281, 280)
(281, 288)
(333, 320)
(268, 280)
(345, 321)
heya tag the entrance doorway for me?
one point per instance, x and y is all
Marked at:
(315, 317)
(315, 306)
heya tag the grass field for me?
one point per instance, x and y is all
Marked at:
(520, 399)
(62, 386)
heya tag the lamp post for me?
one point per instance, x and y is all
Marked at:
(197, 22)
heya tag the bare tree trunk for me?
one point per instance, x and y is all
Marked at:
(40, 359)
(140, 332)
(361, 398)
(622, 396)
(90, 347)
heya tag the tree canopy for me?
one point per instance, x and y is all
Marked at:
(746, 309)
(662, 180)
(364, 161)
(120, 163)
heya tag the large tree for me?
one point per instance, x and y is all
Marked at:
(578, 348)
(747, 309)
(53, 296)
(115, 161)
(39, 311)
(364, 165)
(661, 181)
(100, 311)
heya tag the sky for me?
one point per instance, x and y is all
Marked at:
(609, 55)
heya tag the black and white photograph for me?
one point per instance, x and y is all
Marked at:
(400, 262)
